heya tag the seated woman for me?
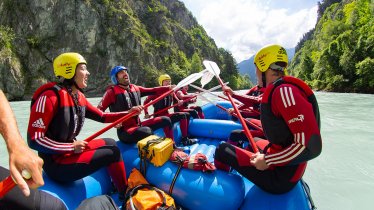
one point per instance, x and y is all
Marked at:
(57, 115)
(195, 111)
(159, 110)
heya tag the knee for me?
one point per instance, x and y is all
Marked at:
(113, 146)
(219, 150)
(110, 142)
(235, 134)
(167, 121)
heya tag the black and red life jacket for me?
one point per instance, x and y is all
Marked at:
(125, 99)
(275, 128)
(163, 103)
(64, 126)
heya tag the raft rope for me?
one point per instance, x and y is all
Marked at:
(309, 195)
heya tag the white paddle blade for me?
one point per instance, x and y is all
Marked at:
(206, 78)
(212, 67)
(188, 80)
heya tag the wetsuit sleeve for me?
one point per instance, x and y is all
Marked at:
(292, 105)
(250, 91)
(183, 96)
(108, 99)
(96, 114)
(153, 91)
(248, 101)
(41, 115)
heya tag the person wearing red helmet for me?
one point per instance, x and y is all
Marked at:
(291, 123)
(124, 96)
(58, 112)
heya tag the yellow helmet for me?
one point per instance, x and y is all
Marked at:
(65, 64)
(269, 55)
(162, 78)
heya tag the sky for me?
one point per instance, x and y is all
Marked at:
(244, 26)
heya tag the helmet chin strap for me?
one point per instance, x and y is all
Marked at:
(76, 86)
(263, 79)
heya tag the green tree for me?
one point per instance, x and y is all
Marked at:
(196, 63)
(364, 71)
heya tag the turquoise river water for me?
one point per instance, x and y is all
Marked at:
(341, 178)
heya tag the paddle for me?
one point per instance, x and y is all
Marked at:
(187, 99)
(186, 81)
(238, 103)
(233, 114)
(214, 69)
(214, 94)
(206, 78)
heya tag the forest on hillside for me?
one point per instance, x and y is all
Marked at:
(150, 37)
(338, 54)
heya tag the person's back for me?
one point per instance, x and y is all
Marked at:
(290, 118)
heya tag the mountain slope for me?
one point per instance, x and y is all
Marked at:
(339, 53)
(148, 36)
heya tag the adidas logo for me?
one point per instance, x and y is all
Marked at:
(38, 124)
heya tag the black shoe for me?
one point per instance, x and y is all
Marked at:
(122, 196)
(188, 141)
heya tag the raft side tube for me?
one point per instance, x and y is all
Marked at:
(258, 199)
(197, 190)
(211, 111)
(210, 128)
(72, 193)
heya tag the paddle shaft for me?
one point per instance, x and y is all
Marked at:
(6, 185)
(257, 112)
(216, 95)
(126, 117)
(235, 115)
(174, 105)
(169, 107)
(223, 108)
(245, 127)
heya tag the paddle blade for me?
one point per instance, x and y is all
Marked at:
(206, 78)
(212, 67)
(188, 80)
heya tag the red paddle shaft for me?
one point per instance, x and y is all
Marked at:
(234, 114)
(126, 117)
(169, 107)
(6, 185)
(257, 112)
(245, 127)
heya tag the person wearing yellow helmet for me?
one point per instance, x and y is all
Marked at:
(58, 112)
(272, 57)
(21, 157)
(164, 78)
(291, 122)
(189, 98)
(159, 110)
(124, 96)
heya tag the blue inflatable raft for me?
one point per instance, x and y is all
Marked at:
(193, 190)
